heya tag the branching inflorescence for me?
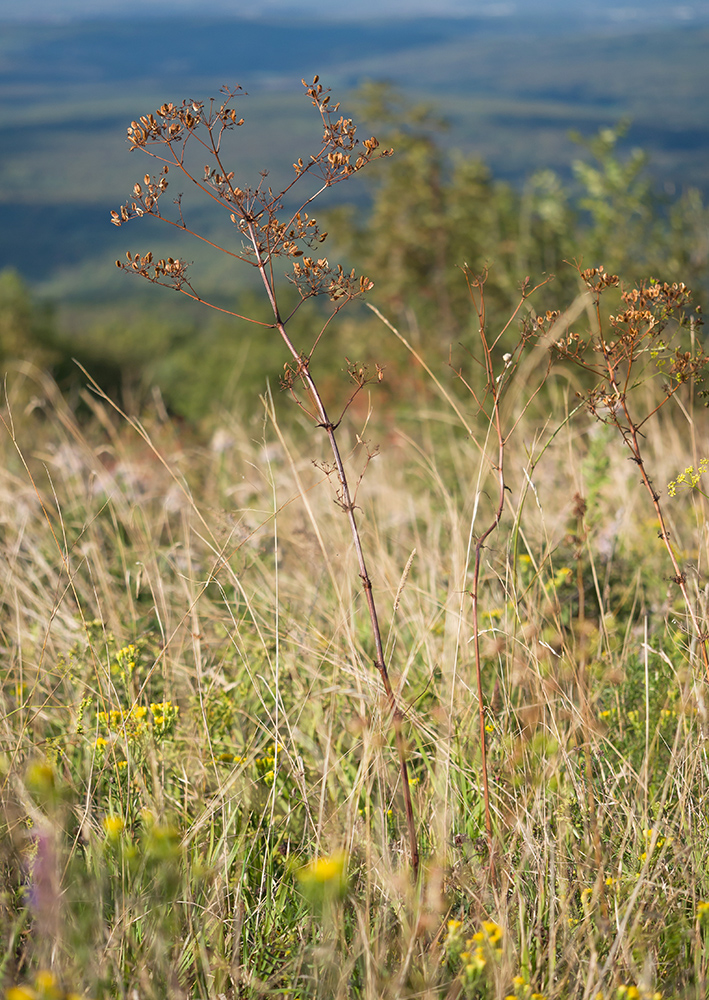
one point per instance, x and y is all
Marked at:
(265, 232)
(652, 316)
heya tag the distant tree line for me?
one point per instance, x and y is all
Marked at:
(431, 212)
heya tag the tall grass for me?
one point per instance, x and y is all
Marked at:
(203, 794)
(235, 827)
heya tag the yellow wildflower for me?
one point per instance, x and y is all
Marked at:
(478, 960)
(492, 930)
(113, 825)
(324, 869)
(20, 993)
(46, 984)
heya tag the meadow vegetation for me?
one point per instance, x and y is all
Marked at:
(223, 776)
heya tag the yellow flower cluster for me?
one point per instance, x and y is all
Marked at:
(324, 869)
(113, 825)
(689, 479)
(325, 878)
(127, 723)
(133, 722)
(479, 949)
(125, 662)
(45, 987)
(632, 992)
(522, 989)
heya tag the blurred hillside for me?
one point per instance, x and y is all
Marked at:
(479, 109)
(511, 90)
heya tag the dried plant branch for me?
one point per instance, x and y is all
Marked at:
(255, 214)
(623, 365)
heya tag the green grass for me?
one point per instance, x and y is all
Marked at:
(199, 782)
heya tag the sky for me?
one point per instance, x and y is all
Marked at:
(652, 11)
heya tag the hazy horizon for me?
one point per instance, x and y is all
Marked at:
(652, 12)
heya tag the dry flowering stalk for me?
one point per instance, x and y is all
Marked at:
(649, 312)
(265, 232)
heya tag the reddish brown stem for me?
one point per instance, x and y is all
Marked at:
(347, 504)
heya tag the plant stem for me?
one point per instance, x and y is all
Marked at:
(347, 504)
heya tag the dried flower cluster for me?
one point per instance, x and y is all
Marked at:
(639, 330)
(650, 341)
(263, 236)
(255, 212)
(168, 267)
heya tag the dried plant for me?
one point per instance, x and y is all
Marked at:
(488, 402)
(266, 232)
(647, 344)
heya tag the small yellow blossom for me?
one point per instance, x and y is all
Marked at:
(45, 982)
(689, 479)
(324, 869)
(492, 930)
(477, 962)
(454, 925)
(324, 878)
(113, 825)
(20, 993)
(519, 981)
(40, 777)
(702, 908)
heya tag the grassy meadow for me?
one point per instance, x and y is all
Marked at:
(210, 752)
(199, 786)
